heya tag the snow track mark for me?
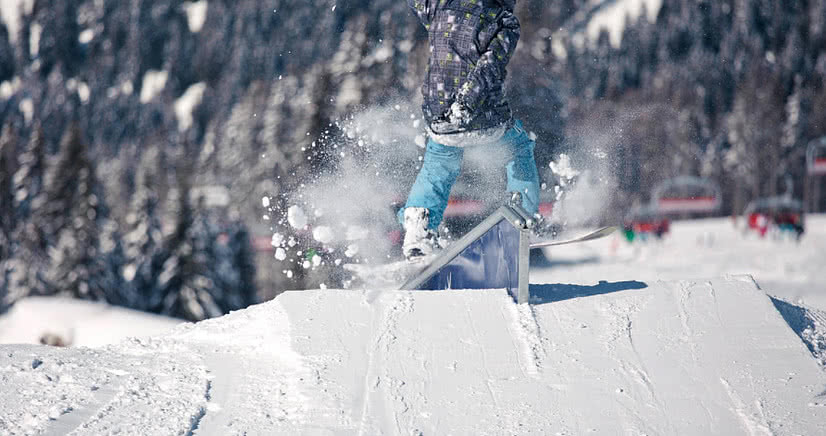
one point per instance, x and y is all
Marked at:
(161, 379)
(622, 348)
(378, 360)
(527, 331)
(196, 420)
(754, 421)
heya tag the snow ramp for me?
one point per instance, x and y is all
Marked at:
(703, 357)
(691, 357)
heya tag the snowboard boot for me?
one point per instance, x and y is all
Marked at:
(419, 240)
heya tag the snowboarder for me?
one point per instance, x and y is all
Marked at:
(471, 43)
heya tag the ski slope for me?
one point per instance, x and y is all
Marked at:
(709, 356)
(700, 248)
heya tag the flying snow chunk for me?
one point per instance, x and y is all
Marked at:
(280, 254)
(277, 240)
(324, 234)
(563, 169)
(316, 261)
(265, 201)
(296, 217)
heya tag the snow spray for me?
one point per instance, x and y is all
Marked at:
(345, 213)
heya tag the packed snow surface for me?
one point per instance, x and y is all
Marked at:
(656, 358)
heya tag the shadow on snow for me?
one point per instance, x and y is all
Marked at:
(550, 293)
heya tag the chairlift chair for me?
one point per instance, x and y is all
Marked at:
(816, 157)
(687, 194)
(644, 221)
(781, 213)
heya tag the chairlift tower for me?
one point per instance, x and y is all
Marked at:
(815, 170)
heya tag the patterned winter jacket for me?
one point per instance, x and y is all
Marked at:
(471, 43)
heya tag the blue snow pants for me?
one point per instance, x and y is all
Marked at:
(442, 165)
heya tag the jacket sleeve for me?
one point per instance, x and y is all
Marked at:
(424, 9)
(492, 65)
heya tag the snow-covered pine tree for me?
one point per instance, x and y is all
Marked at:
(144, 241)
(6, 55)
(8, 214)
(29, 264)
(113, 259)
(28, 180)
(78, 216)
(186, 287)
(235, 273)
(56, 21)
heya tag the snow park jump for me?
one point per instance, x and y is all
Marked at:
(705, 357)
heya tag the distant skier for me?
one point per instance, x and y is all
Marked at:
(471, 43)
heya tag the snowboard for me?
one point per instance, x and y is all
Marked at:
(596, 234)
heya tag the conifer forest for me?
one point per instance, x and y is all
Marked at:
(138, 137)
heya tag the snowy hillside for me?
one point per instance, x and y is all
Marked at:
(77, 323)
(682, 357)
